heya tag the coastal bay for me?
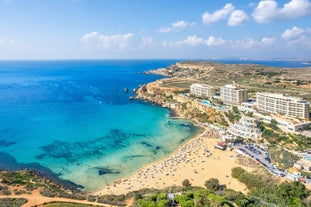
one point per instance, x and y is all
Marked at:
(74, 118)
(190, 161)
(118, 160)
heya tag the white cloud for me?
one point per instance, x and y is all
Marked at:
(6, 43)
(246, 43)
(177, 26)
(193, 41)
(213, 41)
(297, 37)
(237, 17)
(100, 41)
(251, 43)
(209, 18)
(294, 33)
(148, 41)
(268, 11)
(268, 41)
(296, 8)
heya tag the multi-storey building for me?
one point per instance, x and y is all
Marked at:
(245, 128)
(288, 106)
(233, 95)
(202, 90)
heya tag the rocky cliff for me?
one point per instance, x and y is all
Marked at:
(180, 105)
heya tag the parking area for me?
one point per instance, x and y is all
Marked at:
(261, 156)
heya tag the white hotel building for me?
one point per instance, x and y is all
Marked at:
(233, 95)
(202, 90)
(245, 128)
(288, 106)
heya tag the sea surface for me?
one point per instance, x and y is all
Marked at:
(73, 119)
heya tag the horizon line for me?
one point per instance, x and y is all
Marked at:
(188, 59)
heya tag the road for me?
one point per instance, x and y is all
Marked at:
(261, 156)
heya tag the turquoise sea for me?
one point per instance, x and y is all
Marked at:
(75, 119)
(72, 120)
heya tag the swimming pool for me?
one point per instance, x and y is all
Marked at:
(208, 103)
(306, 156)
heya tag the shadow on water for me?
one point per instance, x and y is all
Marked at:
(131, 157)
(4, 143)
(106, 170)
(98, 147)
(5, 130)
(8, 162)
(153, 148)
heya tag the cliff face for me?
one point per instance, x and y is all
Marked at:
(181, 106)
(154, 93)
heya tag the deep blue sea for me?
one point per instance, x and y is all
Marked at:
(74, 120)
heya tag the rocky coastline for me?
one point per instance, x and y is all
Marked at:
(169, 92)
(180, 105)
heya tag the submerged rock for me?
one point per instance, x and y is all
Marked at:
(5, 143)
(105, 170)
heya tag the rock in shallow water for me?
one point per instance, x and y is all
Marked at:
(106, 170)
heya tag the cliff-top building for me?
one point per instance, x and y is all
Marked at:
(245, 128)
(202, 90)
(292, 107)
(233, 95)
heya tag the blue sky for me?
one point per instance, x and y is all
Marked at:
(197, 29)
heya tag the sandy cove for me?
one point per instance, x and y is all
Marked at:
(190, 161)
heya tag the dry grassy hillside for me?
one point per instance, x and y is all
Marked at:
(292, 81)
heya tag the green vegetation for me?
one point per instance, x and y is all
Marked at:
(191, 198)
(268, 73)
(171, 83)
(264, 191)
(283, 158)
(186, 183)
(199, 115)
(212, 184)
(275, 136)
(201, 198)
(159, 200)
(223, 121)
(269, 192)
(16, 202)
(118, 200)
(27, 181)
(233, 115)
(4, 190)
(184, 106)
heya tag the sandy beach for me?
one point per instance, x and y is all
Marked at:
(190, 161)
